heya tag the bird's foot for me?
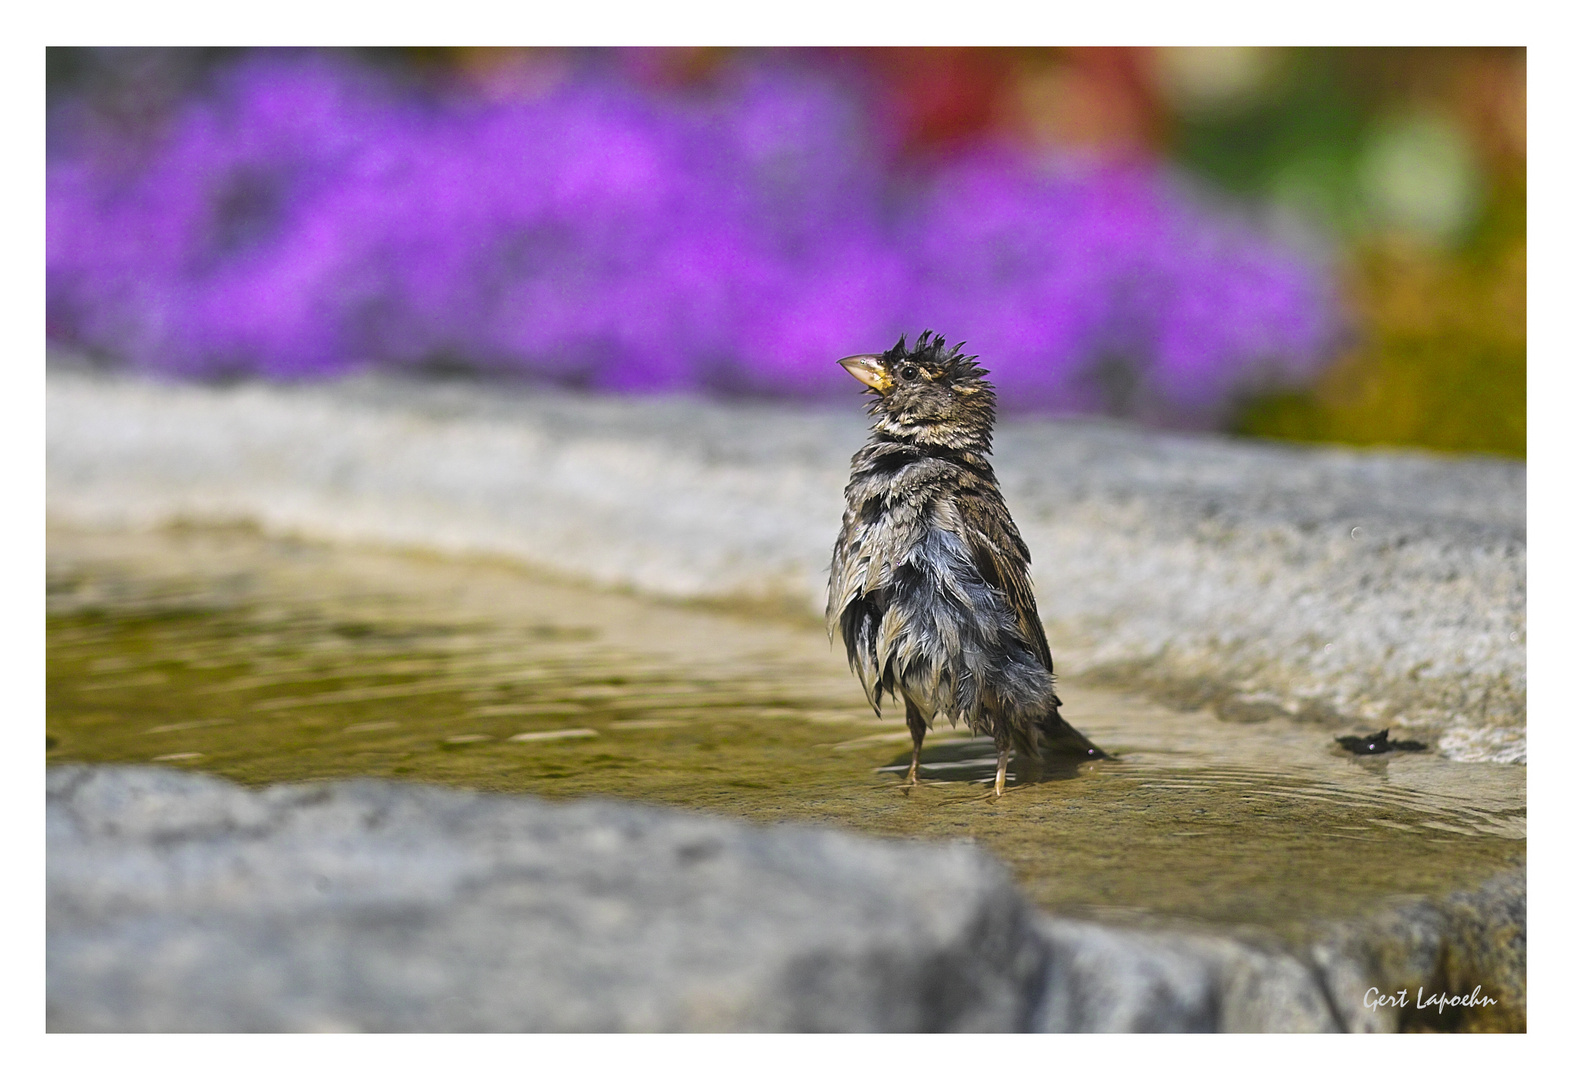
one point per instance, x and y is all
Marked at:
(999, 777)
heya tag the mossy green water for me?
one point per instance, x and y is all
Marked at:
(264, 660)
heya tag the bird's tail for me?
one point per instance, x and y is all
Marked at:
(1053, 737)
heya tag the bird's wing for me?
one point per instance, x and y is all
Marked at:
(1002, 558)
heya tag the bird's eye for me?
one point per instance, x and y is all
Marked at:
(908, 372)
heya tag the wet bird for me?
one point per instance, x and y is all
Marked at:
(929, 587)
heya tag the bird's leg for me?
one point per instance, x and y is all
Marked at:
(916, 725)
(1002, 743)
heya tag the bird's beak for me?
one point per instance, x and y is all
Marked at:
(868, 370)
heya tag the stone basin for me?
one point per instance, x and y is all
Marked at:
(535, 595)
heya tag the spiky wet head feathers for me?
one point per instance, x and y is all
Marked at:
(928, 394)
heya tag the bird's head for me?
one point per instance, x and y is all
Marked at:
(928, 394)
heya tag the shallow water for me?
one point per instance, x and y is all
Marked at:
(267, 660)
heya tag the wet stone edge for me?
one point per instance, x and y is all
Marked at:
(992, 964)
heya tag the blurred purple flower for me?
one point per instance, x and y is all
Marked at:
(306, 217)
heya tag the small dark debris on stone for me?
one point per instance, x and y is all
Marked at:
(1377, 743)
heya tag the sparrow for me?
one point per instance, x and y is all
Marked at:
(929, 586)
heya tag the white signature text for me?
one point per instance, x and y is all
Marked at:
(1375, 999)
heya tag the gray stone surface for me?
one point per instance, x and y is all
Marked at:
(179, 902)
(1113, 980)
(1363, 588)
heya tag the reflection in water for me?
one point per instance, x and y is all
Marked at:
(265, 660)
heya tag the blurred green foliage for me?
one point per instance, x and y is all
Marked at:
(1414, 160)
(1441, 357)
